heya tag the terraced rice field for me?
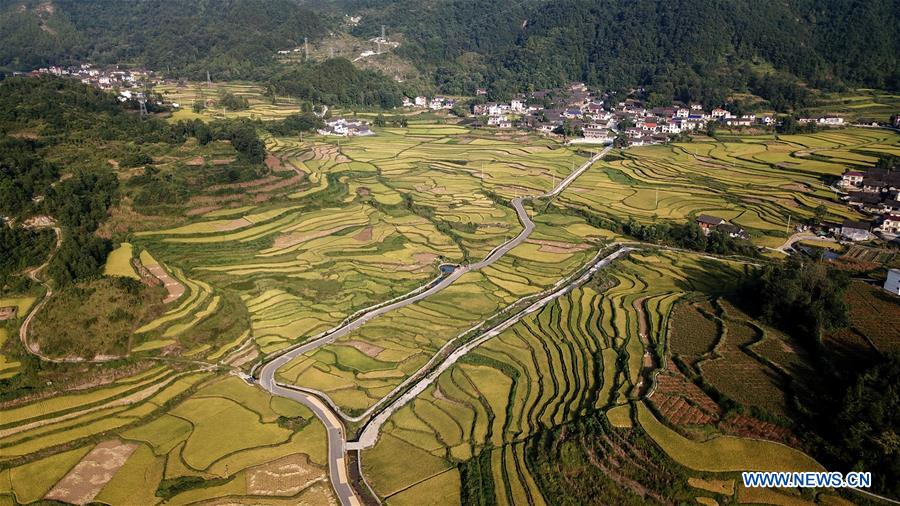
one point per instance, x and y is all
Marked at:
(350, 223)
(261, 107)
(370, 218)
(577, 355)
(364, 366)
(755, 183)
(161, 434)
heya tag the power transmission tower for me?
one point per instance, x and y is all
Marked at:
(382, 33)
(306, 48)
(208, 80)
(331, 52)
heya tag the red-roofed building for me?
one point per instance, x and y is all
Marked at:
(852, 178)
(890, 223)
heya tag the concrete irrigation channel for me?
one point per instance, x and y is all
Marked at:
(337, 437)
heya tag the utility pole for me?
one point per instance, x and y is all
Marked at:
(331, 53)
(656, 205)
(306, 48)
(208, 80)
(787, 229)
(382, 33)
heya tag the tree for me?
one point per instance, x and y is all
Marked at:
(379, 120)
(804, 297)
(868, 425)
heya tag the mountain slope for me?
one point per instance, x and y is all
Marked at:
(227, 37)
(618, 43)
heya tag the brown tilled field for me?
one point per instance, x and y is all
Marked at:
(693, 333)
(283, 477)
(82, 484)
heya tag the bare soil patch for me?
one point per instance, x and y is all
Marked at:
(425, 258)
(558, 246)
(282, 183)
(195, 162)
(82, 484)
(175, 289)
(246, 184)
(8, 313)
(245, 356)
(274, 163)
(681, 402)
(369, 349)
(208, 200)
(747, 426)
(283, 477)
(364, 235)
(197, 211)
(235, 224)
(294, 238)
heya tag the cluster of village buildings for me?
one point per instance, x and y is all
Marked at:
(600, 118)
(129, 82)
(345, 128)
(875, 192)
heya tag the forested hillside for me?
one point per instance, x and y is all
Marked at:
(229, 38)
(700, 50)
(694, 48)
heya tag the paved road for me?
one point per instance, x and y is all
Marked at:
(370, 431)
(337, 451)
(801, 236)
(337, 442)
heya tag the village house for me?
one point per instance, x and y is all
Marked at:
(890, 224)
(733, 231)
(597, 133)
(852, 178)
(855, 230)
(709, 223)
(831, 121)
(892, 283)
(421, 101)
(344, 128)
(739, 122)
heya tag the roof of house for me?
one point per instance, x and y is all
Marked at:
(710, 220)
(861, 225)
(853, 173)
(728, 228)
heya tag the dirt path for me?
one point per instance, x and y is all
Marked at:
(648, 361)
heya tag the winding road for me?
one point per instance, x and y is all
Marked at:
(337, 440)
(33, 274)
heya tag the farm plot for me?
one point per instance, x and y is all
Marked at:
(119, 262)
(447, 178)
(756, 184)
(261, 107)
(219, 437)
(577, 355)
(364, 366)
